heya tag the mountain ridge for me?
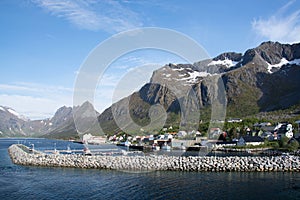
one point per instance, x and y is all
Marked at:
(260, 80)
(61, 125)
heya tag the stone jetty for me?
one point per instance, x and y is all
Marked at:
(21, 155)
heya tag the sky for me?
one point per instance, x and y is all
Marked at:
(44, 43)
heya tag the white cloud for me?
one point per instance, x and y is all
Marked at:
(35, 101)
(280, 27)
(32, 107)
(107, 15)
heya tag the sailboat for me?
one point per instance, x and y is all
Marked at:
(68, 151)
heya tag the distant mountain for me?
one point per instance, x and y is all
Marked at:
(60, 126)
(11, 122)
(265, 78)
(64, 119)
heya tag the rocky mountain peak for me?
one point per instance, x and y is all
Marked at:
(236, 57)
(261, 79)
(273, 52)
(62, 114)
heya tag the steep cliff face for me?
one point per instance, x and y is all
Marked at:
(262, 79)
(265, 78)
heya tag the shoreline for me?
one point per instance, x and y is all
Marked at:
(21, 155)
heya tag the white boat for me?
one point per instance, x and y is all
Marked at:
(56, 152)
(156, 147)
(166, 147)
(87, 152)
(127, 143)
(125, 153)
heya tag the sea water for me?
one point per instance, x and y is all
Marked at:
(27, 182)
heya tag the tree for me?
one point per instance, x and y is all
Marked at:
(283, 142)
(203, 127)
(232, 133)
(293, 145)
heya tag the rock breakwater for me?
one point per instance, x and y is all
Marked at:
(21, 155)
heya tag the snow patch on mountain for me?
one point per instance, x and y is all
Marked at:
(282, 62)
(13, 112)
(228, 63)
(22, 117)
(178, 69)
(1, 108)
(167, 75)
(194, 76)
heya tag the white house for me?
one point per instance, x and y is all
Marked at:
(90, 139)
(284, 129)
(182, 134)
(250, 140)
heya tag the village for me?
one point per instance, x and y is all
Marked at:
(262, 136)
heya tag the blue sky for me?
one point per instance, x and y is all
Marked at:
(44, 42)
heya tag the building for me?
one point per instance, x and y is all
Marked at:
(182, 134)
(182, 143)
(250, 140)
(90, 139)
(234, 120)
(284, 129)
(224, 144)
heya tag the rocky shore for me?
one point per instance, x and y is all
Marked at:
(21, 155)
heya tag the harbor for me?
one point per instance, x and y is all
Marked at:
(21, 155)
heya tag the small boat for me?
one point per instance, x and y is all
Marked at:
(32, 148)
(128, 146)
(125, 153)
(155, 147)
(194, 148)
(136, 147)
(56, 152)
(87, 152)
(166, 147)
(78, 141)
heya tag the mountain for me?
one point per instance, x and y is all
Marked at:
(64, 120)
(263, 79)
(60, 126)
(11, 122)
(266, 80)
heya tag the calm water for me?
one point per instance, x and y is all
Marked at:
(21, 182)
